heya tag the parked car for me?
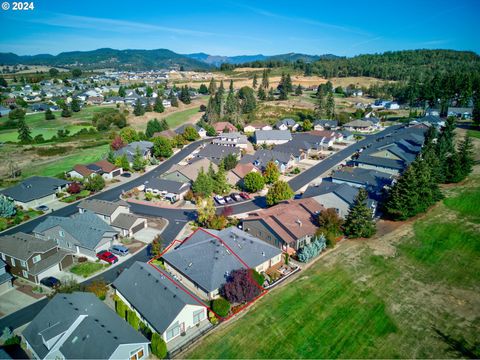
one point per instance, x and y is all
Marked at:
(236, 197)
(119, 250)
(228, 199)
(297, 196)
(220, 200)
(245, 195)
(126, 174)
(107, 256)
(51, 282)
(43, 208)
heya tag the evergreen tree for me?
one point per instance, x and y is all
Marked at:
(288, 84)
(158, 107)
(173, 99)
(248, 103)
(138, 163)
(111, 156)
(320, 106)
(75, 105)
(220, 183)
(307, 125)
(122, 162)
(232, 107)
(283, 94)
(261, 95)
(7, 207)
(230, 87)
(66, 111)
(265, 82)
(255, 81)
(359, 222)
(278, 192)
(49, 115)
(185, 95)
(138, 110)
(465, 154)
(271, 173)
(162, 147)
(212, 87)
(203, 184)
(153, 126)
(476, 108)
(453, 168)
(330, 106)
(298, 90)
(121, 91)
(24, 132)
(271, 95)
(203, 89)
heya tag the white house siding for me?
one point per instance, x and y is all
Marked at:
(37, 202)
(125, 351)
(268, 263)
(75, 174)
(185, 319)
(385, 154)
(338, 181)
(271, 142)
(330, 200)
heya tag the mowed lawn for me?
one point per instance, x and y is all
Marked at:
(323, 314)
(409, 294)
(57, 166)
(48, 128)
(178, 118)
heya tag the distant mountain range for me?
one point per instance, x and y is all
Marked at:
(217, 60)
(143, 59)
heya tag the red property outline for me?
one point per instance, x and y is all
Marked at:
(183, 287)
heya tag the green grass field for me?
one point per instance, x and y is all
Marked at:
(408, 294)
(474, 133)
(57, 166)
(180, 117)
(48, 128)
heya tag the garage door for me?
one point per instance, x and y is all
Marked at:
(53, 271)
(138, 227)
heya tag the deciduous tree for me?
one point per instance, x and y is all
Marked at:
(253, 182)
(271, 173)
(278, 192)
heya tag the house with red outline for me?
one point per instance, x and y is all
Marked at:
(204, 261)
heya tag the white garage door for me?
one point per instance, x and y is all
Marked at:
(53, 271)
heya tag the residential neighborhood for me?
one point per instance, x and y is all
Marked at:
(239, 181)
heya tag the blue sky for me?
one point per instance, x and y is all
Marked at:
(242, 27)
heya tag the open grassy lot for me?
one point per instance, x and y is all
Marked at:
(474, 133)
(178, 118)
(87, 268)
(57, 165)
(48, 128)
(409, 292)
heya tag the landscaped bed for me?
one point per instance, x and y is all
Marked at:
(87, 269)
(82, 194)
(20, 216)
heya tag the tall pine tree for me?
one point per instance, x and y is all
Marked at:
(359, 221)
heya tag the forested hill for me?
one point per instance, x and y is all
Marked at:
(400, 65)
(109, 58)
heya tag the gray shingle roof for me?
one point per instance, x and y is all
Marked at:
(22, 246)
(262, 135)
(344, 191)
(359, 124)
(129, 150)
(216, 152)
(369, 178)
(170, 186)
(152, 294)
(206, 257)
(326, 123)
(262, 157)
(35, 187)
(102, 207)
(97, 336)
(378, 161)
(125, 221)
(87, 228)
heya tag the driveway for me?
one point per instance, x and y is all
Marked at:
(147, 234)
(14, 300)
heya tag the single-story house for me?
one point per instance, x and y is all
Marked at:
(430, 120)
(35, 191)
(373, 181)
(260, 159)
(6, 279)
(359, 125)
(204, 260)
(117, 214)
(216, 153)
(286, 124)
(289, 225)
(391, 166)
(347, 135)
(160, 303)
(234, 139)
(224, 126)
(325, 125)
(103, 168)
(249, 129)
(238, 173)
(145, 148)
(80, 326)
(31, 258)
(172, 190)
(83, 233)
(272, 137)
(201, 131)
(337, 196)
(189, 172)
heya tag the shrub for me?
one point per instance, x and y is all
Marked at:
(145, 330)
(133, 319)
(259, 278)
(239, 287)
(148, 196)
(82, 259)
(310, 251)
(74, 188)
(7, 207)
(221, 306)
(213, 319)
(99, 288)
(158, 346)
(120, 307)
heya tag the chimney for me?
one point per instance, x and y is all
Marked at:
(299, 222)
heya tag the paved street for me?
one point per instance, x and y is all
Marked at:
(176, 217)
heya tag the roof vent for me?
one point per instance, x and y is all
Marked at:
(189, 265)
(76, 309)
(109, 331)
(263, 253)
(115, 337)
